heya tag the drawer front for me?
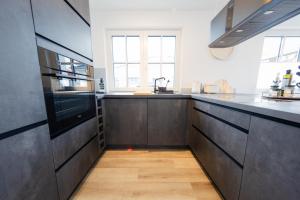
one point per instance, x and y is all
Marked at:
(225, 173)
(234, 117)
(26, 169)
(57, 21)
(68, 143)
(70, 175)
(230, 139)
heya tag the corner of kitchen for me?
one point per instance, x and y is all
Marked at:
(150, 99)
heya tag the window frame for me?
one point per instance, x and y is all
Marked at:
(143, 54)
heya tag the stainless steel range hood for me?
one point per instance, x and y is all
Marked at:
(243, 19)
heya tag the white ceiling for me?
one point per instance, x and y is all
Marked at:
(157, 5)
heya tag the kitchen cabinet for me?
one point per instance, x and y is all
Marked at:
(71, 174)
(82, 7)
(58, 22)
(167, 122)
(272, 164)
(125, 121)
(22, 98)
(27, 170)
(224, 172)
(238, 119)
(230, 139)
(70, 142)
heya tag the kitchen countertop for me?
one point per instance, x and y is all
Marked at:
(285, 110)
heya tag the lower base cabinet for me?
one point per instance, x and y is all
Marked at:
(225, 173)
(167, 122)
(272, 164)
(27, 169)
(126, 121)
(71, 174)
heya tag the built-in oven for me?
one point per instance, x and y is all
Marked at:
(68, 89)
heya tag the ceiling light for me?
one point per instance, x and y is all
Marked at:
(268, 12)
(239, 31)
(222, 42)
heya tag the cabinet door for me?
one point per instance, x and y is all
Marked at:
(26, 169)
(272, 164)
(82, 7)
(57, 21)
(167, 121)
(126, 121)
(21, 92)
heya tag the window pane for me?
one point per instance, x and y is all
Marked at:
(290, 49)
(153, 73)
(271, 49)
(119, 49)
(120, 75)
(168, 73)
(133, 75)
(168, 48)
(133, 49)
(154, 49)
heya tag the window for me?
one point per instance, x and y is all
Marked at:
(126, 61)
(279, 54)
(137, 58)
(161, 58)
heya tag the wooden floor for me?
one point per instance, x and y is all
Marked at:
(146, 175)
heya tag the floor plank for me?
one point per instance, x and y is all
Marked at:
(146, 175)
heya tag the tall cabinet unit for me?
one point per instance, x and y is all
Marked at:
(26, 169)
(62, 26)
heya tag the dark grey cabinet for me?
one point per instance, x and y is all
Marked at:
(57, 21)
(272, 164)
(167, 125)
(225, 173)
(70, 175)
(82, 7)
(232, 116)
(68, 143)
(230, 139)
(26, 169)
(21, 92)
(125, 121)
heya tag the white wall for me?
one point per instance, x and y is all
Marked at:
(195, 60)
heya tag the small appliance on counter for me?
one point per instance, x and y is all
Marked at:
(100, 80)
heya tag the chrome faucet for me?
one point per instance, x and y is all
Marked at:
(155, 90)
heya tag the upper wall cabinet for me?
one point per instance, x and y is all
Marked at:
(241, 20)
(21, 93)
(82, 7)
(57, 21)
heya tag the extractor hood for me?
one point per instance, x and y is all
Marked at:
(242, 19)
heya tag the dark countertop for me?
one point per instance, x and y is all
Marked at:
(286, 110)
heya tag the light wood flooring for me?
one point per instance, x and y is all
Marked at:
(146, 175)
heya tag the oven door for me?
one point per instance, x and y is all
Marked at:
(69, 102)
